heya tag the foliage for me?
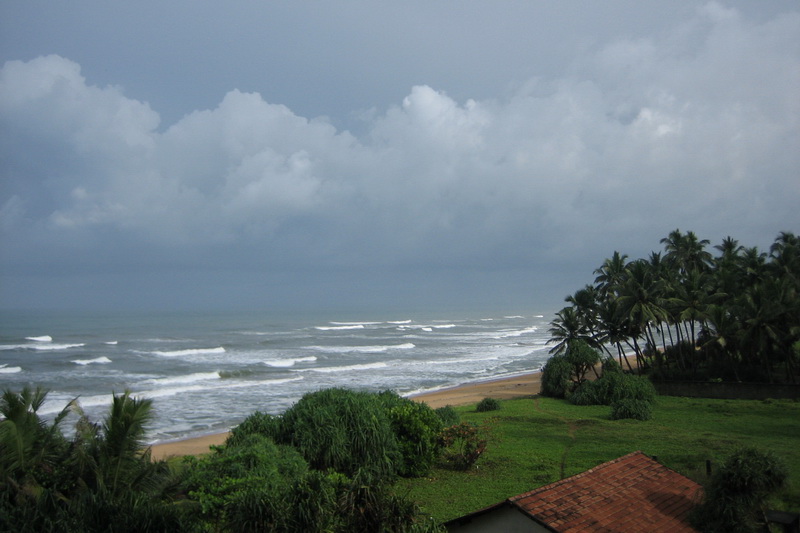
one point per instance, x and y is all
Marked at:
(487, 404)
(416, 427)
(736, 494)
(613, 387)
(583, 358)
(631, 408)
(343, 430)
(543, 440)
(465, 443)
(686, 314)
(100, 480)
(556, 377)
(257, 423)
(448, 415)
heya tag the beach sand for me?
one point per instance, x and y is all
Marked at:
(501, 389)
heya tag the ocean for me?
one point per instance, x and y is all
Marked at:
(207, 372)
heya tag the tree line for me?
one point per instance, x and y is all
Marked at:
(686, 313)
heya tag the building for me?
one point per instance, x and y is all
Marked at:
(631, 494)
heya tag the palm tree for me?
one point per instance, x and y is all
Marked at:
(27, 444)
(686, 251)
(566, 328)
(638, 303)
(611, 274)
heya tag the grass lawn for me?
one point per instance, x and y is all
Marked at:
(540, 440)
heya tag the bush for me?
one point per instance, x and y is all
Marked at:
(586, 394)
(631, 408)
(582, 358)
(737, 492)
(448, 415)
(416, 428)
(464, 444)
(612, 387)
(342, 429)
(556, 376)
(257, 423)
(488, 404)
(222, 478)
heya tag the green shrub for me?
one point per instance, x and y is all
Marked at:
(464, 444)
(582, 358)
(416, 428)
(631, 408)
(488, 404)
(612, 387)
(342, 429)
(737, 492)
(448, 415)
(586, 394)
(257, 423)
(556, 376)
(256, 463)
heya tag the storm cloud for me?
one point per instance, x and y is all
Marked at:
(694, 126)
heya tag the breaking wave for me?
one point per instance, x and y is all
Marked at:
(332, 369)
(97, 360)
(363, 349)
(192, 351)
(339, 328)
(286, 363)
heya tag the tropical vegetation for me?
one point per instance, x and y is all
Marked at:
(328, 464)
(686, 313)
(540, 440)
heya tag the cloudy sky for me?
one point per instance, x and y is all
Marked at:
(362, 154)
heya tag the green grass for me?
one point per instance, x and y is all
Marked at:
(541, 440)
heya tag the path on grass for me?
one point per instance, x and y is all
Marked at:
(572, 428)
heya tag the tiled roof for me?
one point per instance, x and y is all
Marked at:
(631, 494)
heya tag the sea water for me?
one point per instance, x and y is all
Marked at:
(207, 372)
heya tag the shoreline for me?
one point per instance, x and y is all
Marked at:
(521, 385)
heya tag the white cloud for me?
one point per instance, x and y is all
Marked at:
(687, 129)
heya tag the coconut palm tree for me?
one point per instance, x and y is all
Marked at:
(566, 328)
(611, 274)
(639, 304)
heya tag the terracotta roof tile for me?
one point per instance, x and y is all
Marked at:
(632, 494)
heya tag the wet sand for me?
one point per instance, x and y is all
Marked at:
(501, 389)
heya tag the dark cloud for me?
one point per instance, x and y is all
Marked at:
(693, 126)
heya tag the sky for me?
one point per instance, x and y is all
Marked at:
(382, 155)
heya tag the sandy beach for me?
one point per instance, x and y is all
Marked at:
(501, 389)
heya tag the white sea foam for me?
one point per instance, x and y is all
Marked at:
(426, 327)
(332, 369)
(538, 316)
(517, 333)
(397, 322)
(9, 369)
(189, 378)
(173, 391)
(111, 343)
(363, 349)
(192, 351)
(339, 328)
(514, 316)
(41, 346)
(97, 360)
(41, 338)
(52, 347)
(286, 363)
(356, 323)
